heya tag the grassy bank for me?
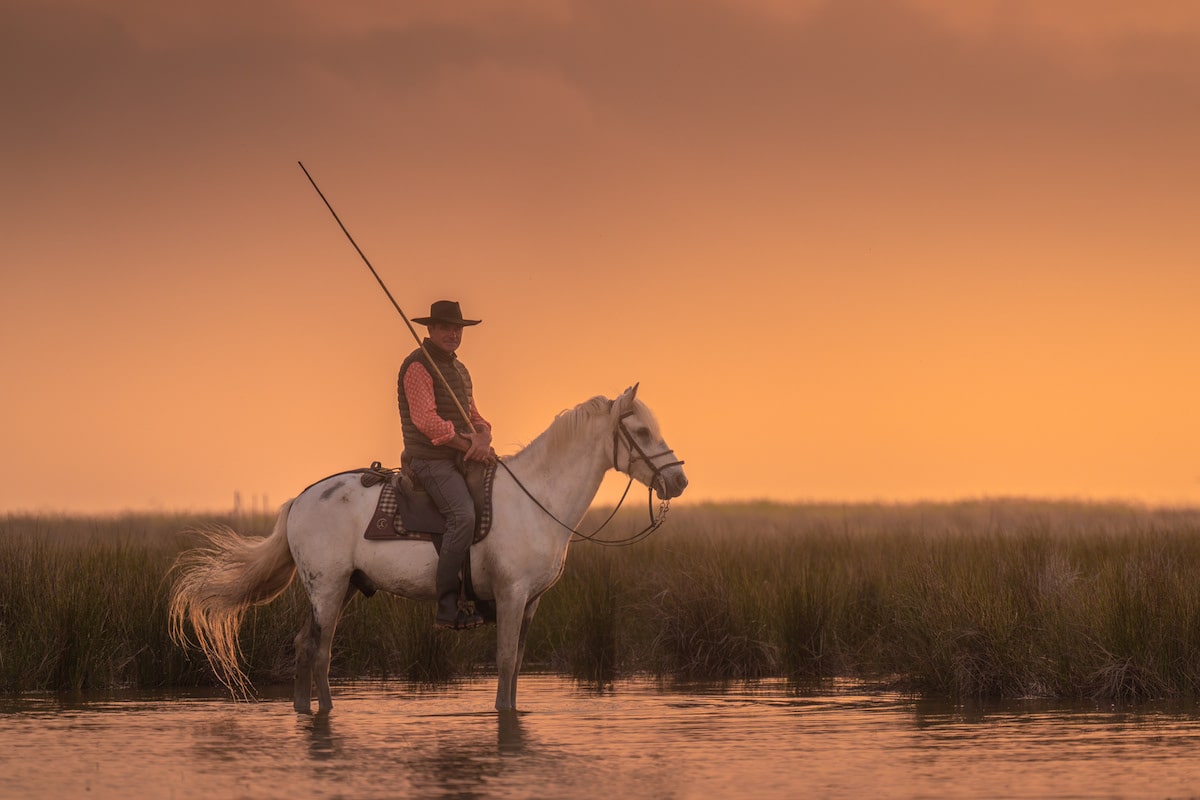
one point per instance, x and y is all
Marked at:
(992, 598)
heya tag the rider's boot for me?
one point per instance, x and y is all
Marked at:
(449, 615)
(447, 611)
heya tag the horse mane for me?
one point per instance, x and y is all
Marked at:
(569, 422)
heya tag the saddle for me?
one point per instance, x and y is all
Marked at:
(405, 511)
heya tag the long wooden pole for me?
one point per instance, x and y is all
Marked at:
(436, 369)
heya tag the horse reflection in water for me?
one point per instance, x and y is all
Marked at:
(320, 535)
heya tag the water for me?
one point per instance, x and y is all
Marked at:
(637, 739)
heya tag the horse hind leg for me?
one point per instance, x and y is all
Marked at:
(306, 650)
(325, 651)
(314, 646)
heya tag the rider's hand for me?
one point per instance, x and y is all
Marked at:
(481, 446)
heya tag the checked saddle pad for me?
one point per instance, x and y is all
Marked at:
(406, 512)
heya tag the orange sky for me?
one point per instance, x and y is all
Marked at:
(874, 249)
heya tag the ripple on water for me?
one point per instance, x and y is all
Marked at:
(635, 739)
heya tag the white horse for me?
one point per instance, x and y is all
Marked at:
(320, 534)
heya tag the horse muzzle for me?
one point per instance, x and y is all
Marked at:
(670, 483)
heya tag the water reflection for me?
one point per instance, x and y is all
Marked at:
(511, 737)
(322, 745)
(427, 754)
(635, 738)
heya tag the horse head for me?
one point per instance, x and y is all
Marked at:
(638, 444)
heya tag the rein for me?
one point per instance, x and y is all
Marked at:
(655, 522)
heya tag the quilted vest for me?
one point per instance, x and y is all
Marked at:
(416, 443)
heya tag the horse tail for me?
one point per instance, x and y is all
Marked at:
(218, 582)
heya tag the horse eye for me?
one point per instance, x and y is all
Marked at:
(643, 434)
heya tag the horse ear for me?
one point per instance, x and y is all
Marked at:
(625, 401)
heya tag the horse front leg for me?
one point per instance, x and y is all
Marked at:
(512, 622)
(526, 619)
(510, 613)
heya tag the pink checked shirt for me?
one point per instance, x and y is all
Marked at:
(418, 388)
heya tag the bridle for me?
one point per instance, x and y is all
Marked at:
(620, 430)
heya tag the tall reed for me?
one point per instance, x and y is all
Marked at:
(1009, 598)
(88, 615)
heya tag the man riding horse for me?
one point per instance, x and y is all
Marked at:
(437, 438)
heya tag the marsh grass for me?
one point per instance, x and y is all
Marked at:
(1007, 598)
(84, 617)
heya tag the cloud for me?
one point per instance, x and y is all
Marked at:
(153, 24)
(162, 26)
(1081, 22)
(670, 86)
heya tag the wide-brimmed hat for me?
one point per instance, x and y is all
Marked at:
(446, 311)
